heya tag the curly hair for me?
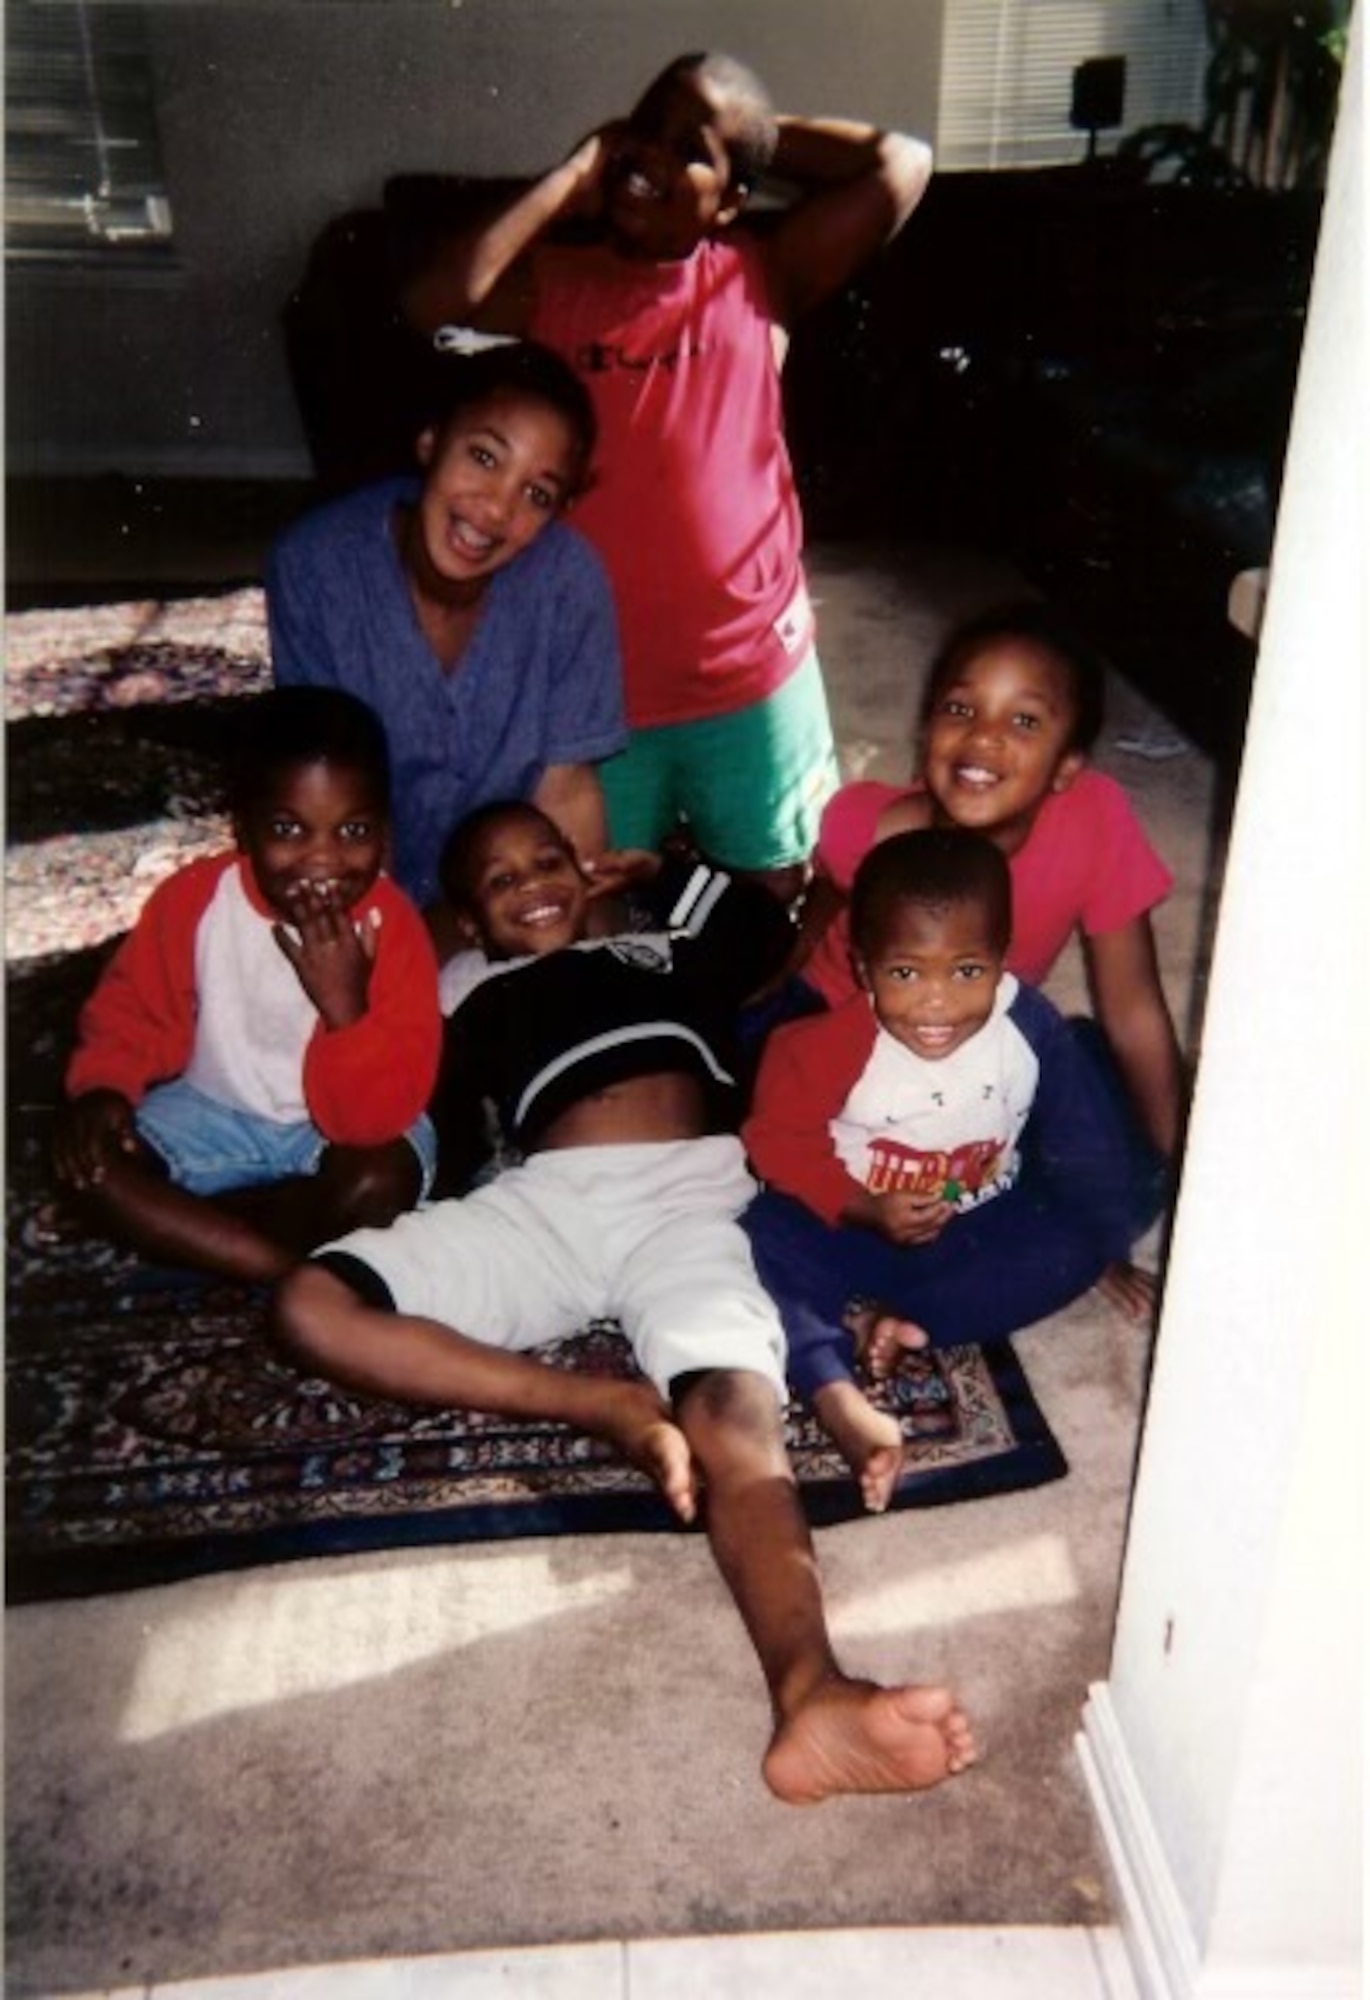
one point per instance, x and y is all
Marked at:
(1039, 625)
(288, 728)
(935, 868)
(752, 132)
(522, 367)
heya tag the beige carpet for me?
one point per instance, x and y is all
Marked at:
(554, 1740)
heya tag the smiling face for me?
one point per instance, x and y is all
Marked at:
(493, 479)
(670, 181)
(522, 892)
(996, 740)
(316, 829)
(932, 974)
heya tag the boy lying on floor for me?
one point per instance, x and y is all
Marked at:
(603, 1059)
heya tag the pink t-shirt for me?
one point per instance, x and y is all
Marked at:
(1087, 864)
(693, 507)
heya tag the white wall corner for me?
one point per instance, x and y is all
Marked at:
(1153, 1920)
(1164, 1953)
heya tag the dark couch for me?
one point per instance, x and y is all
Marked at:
(1092, 374)
(1083, 369)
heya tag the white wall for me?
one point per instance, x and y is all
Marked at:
(279, 114)
(1227, 1743)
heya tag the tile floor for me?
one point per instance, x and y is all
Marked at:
(939, 1964)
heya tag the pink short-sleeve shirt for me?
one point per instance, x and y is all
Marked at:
(1086, 865)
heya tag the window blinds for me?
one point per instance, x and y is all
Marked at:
(83, 171)
(1007, 68)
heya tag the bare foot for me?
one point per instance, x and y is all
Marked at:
(880, 1338)
(639, 1425)
(851, 1736)
(869, 1439)
(879, 1476)
(1129, 1290)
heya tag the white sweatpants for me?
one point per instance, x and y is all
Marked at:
(646, 1234)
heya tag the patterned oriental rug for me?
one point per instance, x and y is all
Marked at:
(152, 1432)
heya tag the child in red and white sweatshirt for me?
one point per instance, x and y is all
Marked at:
(252, 1070)
(943, 1163)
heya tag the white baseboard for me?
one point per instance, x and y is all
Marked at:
(1166, 1961)
(1155, 1927)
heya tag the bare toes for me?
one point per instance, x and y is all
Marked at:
(890, 1337)
(664, 1455)
(879, 1477)
(850, 1736)
(641, 1427)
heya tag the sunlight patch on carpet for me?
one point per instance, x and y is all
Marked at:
(280, 1638)
(1030, 1571)
(79, 890)
(112, 656)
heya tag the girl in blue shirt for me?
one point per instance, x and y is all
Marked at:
(463, 609)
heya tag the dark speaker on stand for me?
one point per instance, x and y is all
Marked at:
(1096, 96)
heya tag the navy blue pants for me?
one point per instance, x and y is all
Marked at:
(993, 1269)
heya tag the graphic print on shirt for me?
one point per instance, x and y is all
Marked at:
(644, 954)
(966, 1175)
(598, 357)
(947, 1129)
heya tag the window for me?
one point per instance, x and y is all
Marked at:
(1008, 68)
(83, 163)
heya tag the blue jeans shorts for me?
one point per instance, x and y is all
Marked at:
(210, 1148)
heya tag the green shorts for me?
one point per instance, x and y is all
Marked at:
(751, 786)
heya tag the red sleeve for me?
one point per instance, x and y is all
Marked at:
(138, 1026)
(806, 1077)
(367, 1083)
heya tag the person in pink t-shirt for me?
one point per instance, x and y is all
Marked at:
(677, 323)
(1013, 703)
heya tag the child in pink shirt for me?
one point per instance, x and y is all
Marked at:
(1012, 705)
(677, 321)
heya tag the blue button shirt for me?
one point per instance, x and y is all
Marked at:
(539, 683)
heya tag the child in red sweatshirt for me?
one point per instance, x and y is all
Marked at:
(253, 1068)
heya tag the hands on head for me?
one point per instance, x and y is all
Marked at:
(589, 162)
